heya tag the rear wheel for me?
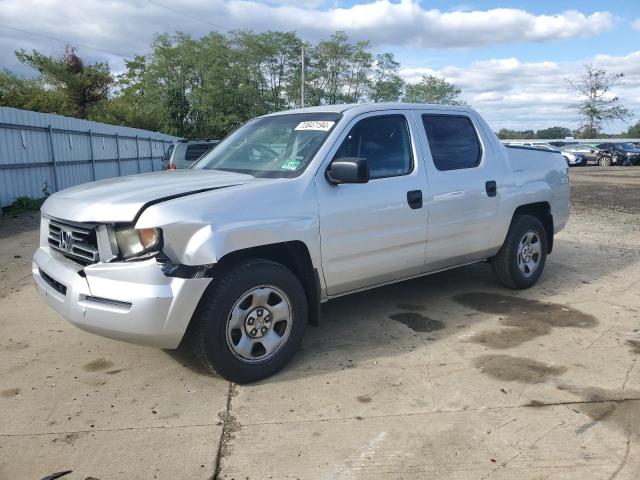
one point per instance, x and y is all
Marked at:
(520, 261)
(250, 321)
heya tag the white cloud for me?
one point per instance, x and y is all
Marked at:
(523, 95)
(127, 26)
(636, 24)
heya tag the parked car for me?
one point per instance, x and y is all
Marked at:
(183, 153)
(291, 210)
(622, 153)
(572, 158)
(593, 154)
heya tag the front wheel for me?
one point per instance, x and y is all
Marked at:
(520, 261)
(605, 161)
(250, 321)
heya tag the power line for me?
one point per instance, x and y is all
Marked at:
(192, 17)
(63, 41)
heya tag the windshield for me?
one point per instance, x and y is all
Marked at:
(627, 146)
(280, 146)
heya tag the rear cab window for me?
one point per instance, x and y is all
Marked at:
(453, 141)
(187, 153)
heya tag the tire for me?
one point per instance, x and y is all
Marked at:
(508, 263)
(263, 334)
(605, 161)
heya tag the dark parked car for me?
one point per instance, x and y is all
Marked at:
(183, 153)
(622, 153)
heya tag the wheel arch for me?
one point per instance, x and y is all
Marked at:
(294, 255)
(542, 211)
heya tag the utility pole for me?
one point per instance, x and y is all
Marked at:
(302, 79)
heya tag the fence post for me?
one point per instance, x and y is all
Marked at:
(53, 160)
(137, 154)
(93, 159)
(153, 169)
(118, 154)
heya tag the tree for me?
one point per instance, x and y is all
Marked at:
(30, 94)
(634, 131)
(597, 105)
(387, 85)
(83, 85)
(506, 134)
(432, 89)
(553, 132)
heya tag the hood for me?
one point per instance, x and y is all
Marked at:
(120, 199)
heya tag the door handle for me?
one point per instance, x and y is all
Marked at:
(491, 187)
(414, 199)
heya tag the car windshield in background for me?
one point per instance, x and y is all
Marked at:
(279, 146)
(627, 146)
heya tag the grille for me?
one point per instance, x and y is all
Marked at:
(109, 302)
(74, 240)
(56, 285)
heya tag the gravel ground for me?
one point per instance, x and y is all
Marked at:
(448, 376)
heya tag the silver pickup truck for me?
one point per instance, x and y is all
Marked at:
(236, 254)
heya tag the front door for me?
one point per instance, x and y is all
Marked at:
(375, 232)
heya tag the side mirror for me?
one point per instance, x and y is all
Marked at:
(592, 151)
(348, 170)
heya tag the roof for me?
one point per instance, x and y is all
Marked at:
(369, 107)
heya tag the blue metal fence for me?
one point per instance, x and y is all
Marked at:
(45, 152)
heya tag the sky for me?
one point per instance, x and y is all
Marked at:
(512, 60)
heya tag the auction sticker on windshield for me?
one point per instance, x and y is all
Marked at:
(321, 125)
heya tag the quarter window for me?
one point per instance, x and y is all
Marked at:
(384, 142)
(453, 141)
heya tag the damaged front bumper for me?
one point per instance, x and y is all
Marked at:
(130, 301)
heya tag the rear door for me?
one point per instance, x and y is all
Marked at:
(464, 188)
(375, 232)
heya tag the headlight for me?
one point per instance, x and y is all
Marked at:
(134, 242)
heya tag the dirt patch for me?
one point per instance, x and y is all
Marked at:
(524, 319)
(516, 369)
(9, 393)
(602, 190)
(417, 322)
(364, 398)
(97, 365)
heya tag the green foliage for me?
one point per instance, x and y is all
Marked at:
(506, 134)
(432, 89)
(387, 84)
(209, 86)
(30, 95)
(634, 131)
(554, 132)
(24, 204)
(81, 86)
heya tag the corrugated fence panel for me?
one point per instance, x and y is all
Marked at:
(42, 152)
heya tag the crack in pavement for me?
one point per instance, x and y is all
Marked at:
(623, 462)
(121, 429)
(229, 426)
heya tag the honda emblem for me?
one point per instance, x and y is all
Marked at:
(66, 240)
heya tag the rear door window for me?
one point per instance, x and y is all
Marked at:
(453, 141)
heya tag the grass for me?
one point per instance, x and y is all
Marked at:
(24, 205)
